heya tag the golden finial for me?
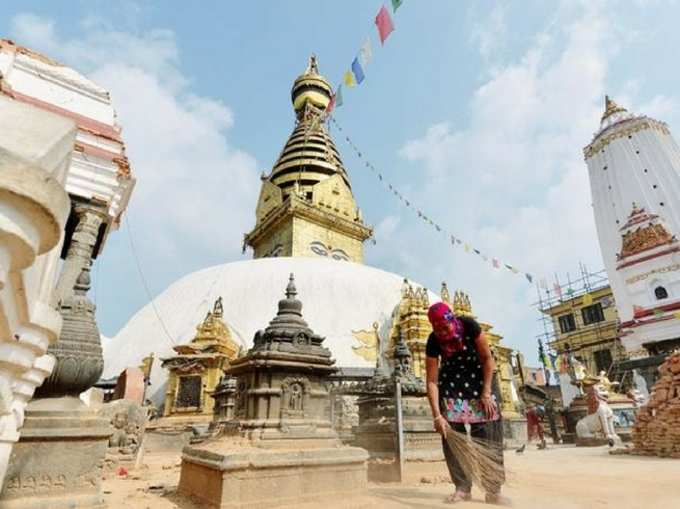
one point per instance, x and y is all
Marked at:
(461, 303)
(404, 289)
(444, 293)
(218, 309)
(425, 298)
(312, 67)
(610, 108)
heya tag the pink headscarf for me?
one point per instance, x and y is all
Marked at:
(438, 313)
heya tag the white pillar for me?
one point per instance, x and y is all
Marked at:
(35, 149)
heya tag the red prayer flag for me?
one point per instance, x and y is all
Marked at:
(331, 105)
(384, 23)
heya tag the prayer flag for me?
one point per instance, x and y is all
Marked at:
(331, 105)
(476, 251)
(396, 4)
(587, 299)
(357, 70)
(638, 311)
(408, 204)
(485, 258)
(495, 263)
(467, 248)
(658, 312)
(529, 277)
(543, 283)
(570, 291)
(366, 53)
(338, 96)
(437, 227)
(558, 290)
(453, 239)
(348, 78)
(676, 315)
(459, 242)
(384, 23)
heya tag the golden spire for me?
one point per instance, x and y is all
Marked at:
(461, 304)
(444, 293)
(311, 89)
(610, 108)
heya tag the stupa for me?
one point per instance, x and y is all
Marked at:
(634, 168)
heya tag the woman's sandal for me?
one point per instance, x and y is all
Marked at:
(458, 496)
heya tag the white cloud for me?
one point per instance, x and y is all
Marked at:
(513, 181)
(490, 34)
(195, 192)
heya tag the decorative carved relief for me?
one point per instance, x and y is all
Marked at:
(642, 239)
(295, 393)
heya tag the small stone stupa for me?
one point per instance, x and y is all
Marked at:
(285, 450)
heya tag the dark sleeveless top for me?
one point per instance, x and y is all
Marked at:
(461, 378)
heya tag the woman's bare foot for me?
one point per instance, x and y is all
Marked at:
(496, 499)
(458, 496)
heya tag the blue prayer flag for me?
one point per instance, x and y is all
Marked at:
(358, 71)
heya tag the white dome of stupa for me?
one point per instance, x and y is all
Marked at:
(338, 298)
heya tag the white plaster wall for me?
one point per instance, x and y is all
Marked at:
(33, 210)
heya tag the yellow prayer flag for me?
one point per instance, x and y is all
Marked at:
(587, 299)
(467, 248)
(348, 78)
(677, 315)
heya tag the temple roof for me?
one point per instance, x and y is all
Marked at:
(309, 156)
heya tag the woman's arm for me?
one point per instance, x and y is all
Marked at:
(431, 379)
(488, 367)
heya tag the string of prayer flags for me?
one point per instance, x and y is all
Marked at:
(366, 53)
(396, 4)
(558, 290)
(384, 23)
(348, 79)
(455, 241)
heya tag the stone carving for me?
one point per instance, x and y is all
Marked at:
(128, 420)
(600, 416)
(78, 351)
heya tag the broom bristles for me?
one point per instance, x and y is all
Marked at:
(480, 459)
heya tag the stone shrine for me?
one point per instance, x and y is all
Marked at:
(285, 450)
(378, 428)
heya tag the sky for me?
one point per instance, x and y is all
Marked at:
(476, 110)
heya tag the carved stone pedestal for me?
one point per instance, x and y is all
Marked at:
(377, 433)
(57, 463)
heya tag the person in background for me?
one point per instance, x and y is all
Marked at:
(459, 371)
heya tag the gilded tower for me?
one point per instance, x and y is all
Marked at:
(306, 206)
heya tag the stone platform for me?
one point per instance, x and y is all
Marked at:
(58, 460)
(227, 476)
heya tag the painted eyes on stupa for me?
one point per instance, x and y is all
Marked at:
(319, 248)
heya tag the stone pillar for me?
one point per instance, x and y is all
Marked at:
(225, 400)
(79, 254)
(35, 149)
(62, 448)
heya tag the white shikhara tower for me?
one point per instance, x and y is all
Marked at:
(634, 168)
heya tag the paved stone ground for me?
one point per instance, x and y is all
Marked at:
(562, 477)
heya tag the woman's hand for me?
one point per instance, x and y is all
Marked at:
(440, 425)
(487, 404)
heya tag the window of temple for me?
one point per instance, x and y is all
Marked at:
(592, 314)
(189, 392)
(567, 323)
(660, 293)
(603, 360)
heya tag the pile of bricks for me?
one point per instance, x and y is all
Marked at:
(657, 427)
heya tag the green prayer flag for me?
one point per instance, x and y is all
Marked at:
(338, 96)
(396, 4)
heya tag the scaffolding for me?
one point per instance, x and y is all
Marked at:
(557, 292)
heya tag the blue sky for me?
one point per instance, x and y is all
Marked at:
(478, 111)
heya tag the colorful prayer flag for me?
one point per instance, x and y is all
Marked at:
(529, 277)
(459, 242)
(476, 251)
(467, 248)
(348, 79)
(587, 299)
(495, 263)
(331, 105)
(357, 70)
(543, 283)
(638, 311)
(366, 53)
(384, 23)
(396, 4)
(676, 315)
(338, 96)
(453, 240)
(558, 290)
(658, 312)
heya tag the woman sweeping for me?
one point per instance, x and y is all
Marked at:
(459, 368)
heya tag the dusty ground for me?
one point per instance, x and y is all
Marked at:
(560, 478)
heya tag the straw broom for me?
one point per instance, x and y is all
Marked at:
(479, 459)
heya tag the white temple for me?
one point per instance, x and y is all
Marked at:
(634, 168)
